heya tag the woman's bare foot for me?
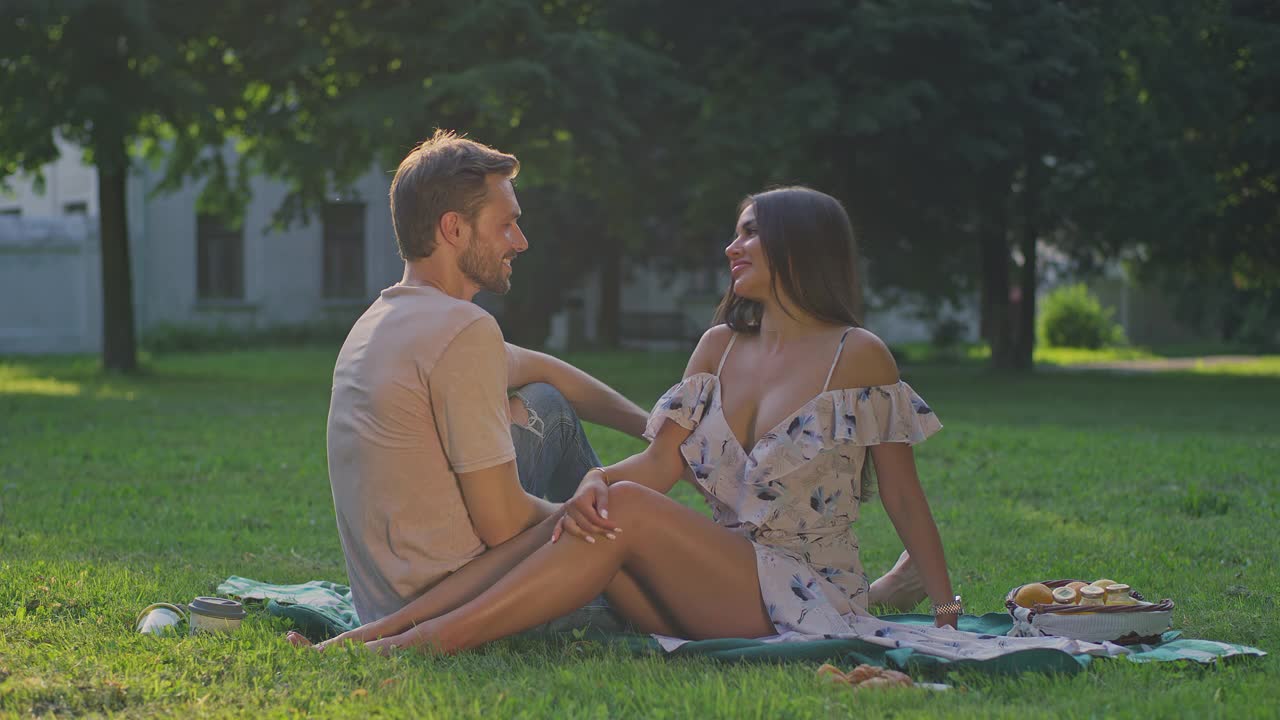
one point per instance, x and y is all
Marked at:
(296, 639)
(901, 588)
(429, 638)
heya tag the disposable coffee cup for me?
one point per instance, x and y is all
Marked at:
(159, 619)
(214, 615)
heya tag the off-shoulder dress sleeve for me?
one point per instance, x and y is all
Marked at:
(882, 414)
(685, 404)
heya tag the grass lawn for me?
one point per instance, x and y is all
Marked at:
(118, 492)
(1055, 357)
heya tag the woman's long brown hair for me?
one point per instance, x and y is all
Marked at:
(809, 241)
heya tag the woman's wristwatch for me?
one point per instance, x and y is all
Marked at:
(953, 607)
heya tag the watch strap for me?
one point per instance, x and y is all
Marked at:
(952, 607)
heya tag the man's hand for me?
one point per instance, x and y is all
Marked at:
(587, 512)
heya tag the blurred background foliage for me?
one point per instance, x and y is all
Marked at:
(963, 135)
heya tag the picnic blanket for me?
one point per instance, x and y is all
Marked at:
(323, 609)
(850, 651)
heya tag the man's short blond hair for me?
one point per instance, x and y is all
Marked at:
(445, 173)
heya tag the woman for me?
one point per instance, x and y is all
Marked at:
(781, 404)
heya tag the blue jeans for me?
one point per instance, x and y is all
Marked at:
(552, 452)
(552, 455)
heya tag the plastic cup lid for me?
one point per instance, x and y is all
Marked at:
(217, 607)
(158, 606)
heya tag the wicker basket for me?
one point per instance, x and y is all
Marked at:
(1120, 624)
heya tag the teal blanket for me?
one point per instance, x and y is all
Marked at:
(323, 609)
(1172, 647)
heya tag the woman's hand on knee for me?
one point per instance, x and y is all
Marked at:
(586, 515)
(566, 525)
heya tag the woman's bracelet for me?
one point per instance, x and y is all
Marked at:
(603, 474)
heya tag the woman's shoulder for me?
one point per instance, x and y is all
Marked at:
(865, 361)
(706, 356)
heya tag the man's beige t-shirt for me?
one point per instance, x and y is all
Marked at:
(419, 395)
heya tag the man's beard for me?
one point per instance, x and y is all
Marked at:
(484, 269)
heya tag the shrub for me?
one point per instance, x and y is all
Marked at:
(169, 338)
(1072, 317)
(947, 337)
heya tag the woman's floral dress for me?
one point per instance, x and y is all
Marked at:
(795, 496)
(796, 493)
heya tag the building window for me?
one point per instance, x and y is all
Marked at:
(343, 249)
(76, 208)
(219, 259)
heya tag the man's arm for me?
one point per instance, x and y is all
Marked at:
(468, 390)
(591, 399)
(499, 508)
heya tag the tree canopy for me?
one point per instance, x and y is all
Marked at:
(108, 76)
(963, 136)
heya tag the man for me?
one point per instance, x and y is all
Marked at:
(430, 461)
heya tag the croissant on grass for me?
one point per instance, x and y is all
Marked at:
(862, 673)
(833, 674)
(865, 676)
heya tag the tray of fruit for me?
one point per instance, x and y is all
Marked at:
(1102, 610)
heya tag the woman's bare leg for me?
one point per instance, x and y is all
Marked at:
(638, 606)
(703, 575)
(901, 588)
(624, 593)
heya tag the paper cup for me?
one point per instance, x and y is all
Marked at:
(213, 614)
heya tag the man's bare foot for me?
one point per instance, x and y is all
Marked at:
(901, 588)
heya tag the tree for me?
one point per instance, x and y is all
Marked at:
(333, 90)
(938, 124)
(1183, 176)
(107, 75)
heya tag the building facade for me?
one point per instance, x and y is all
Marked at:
(189, 268)
(192, 269)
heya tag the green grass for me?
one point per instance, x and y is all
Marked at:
(980, 354)
(117, 492)
(1075, 356)
(1262, 366)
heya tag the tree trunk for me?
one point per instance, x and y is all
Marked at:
(1024, 350)
(118, 343)
(995, 281)
(609, 322)
(847, 189)
(1026, 330)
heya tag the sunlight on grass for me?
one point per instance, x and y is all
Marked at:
(981, 352)
(1073, 356)
(22, 380)
(1182, 358)
(1065, 527)
(17, 380)
(1262, 366)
